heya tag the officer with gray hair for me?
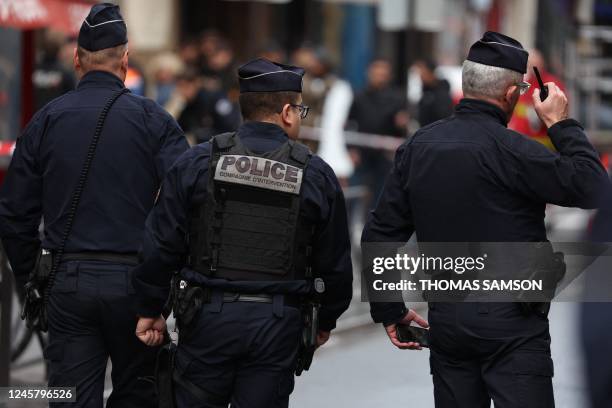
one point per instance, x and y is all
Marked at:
(468, 178)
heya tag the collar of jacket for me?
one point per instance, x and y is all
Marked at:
(100, 79)
(477, 106)
(262, 130)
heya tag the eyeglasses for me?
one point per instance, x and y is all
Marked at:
(523, 87)
(302, 108)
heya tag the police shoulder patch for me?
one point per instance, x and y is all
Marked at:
(259, 172)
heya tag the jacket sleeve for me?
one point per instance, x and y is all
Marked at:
(390, 221)
(165, 240)
(332, 257)
(173, 144)
(573, 177)
(21, 202)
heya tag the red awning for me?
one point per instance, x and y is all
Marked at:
(64, 15)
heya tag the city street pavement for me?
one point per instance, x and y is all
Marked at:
(360, 368)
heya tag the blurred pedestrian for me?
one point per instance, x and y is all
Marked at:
(469, 179)
(204, 113)
(50, 77)
(164, 69)
(189, 52)
(66, 53)
(219, 73)
(331, 99)
(525, 119)
(379, 109)
(436, 102)
(272, 51)
(207, 46)
(318, 80)
(135, 80)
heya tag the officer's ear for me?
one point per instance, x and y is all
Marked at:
(287, 115)
(78, 64)
(75, 60)
(125, 60)
(512, 94)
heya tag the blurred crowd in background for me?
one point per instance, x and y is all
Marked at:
(198, 85)
(366, 73)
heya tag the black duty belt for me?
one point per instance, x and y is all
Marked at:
(229, 297)
(114, 257)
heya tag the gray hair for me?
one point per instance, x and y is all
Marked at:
(487, 81)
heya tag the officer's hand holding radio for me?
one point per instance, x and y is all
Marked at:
(554, 108)
(409, 317)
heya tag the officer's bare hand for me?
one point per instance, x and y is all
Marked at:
(409, 317)
(554, 108)
(322, 337)
(151, 330)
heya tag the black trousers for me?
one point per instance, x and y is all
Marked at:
(489, 351)
(596, 325)
(92, 317)
(243, 353)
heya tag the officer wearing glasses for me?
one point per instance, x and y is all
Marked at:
(250, 219)
(468, 178)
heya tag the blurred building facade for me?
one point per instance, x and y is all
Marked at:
(573, 36)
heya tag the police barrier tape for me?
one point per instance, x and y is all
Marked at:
(352, 138)
(601, 139)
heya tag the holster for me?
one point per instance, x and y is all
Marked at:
(34, 310)
(552, 271)
(187, 301)
(308, 343)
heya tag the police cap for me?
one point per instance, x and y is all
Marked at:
(262, 75)
(103, 28)
(499, 50)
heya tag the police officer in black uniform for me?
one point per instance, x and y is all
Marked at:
(470, 179)
(252, 219)
(91, 307)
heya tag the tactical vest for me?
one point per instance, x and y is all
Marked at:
(249, 227)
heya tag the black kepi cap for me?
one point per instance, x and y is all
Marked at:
(103, 28)
(499, 50)
(262, 75)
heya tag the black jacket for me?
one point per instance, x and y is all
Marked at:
(470, 179)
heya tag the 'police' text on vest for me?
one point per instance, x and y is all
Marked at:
(259, 172)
